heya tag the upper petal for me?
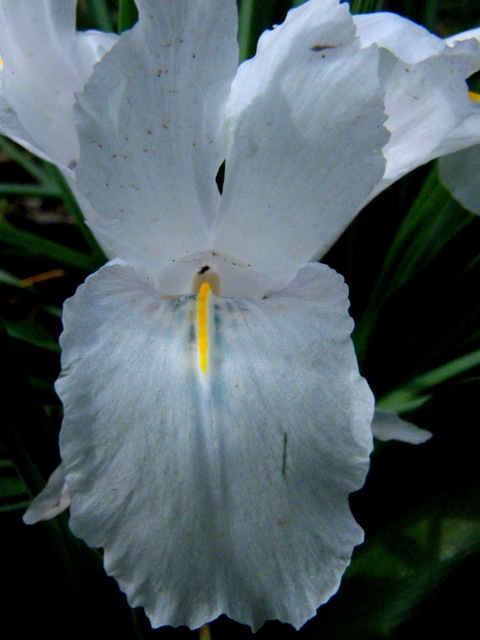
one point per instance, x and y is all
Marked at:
(217, 485)
(150, 124)
(304, 128)
(45, 63)
(426, 94)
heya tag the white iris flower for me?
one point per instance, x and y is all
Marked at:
(45, 61)
(215, 420)
(460, 171)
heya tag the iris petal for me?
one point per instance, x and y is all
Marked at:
(461, 175)
(389, 426)
(151, 125)
(45, 62)
(224, 488)
(305, 133)
(425, 91)
(51, 501)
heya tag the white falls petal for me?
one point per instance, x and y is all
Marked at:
(389, 426)
(219, 487)
(51, 501)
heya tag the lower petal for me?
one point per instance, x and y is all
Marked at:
(387, 426)
(51, 501)
(211, 444)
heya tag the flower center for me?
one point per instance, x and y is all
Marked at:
(206, 274)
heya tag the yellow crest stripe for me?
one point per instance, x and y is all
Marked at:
(202, 323)
(474, 96)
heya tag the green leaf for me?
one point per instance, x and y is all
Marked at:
(431, 13)
(8, 278)
(32, 333)
(34, 245)
(29, 190)
(74, 208)
(254, 18)
(432, 223)
(127, 15)
(12, 488)
(33, 166)
(100, 14)
(366, 6)
(418, 390)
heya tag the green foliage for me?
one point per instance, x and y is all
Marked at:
(366, 6)
(127, 15)
(100, 14)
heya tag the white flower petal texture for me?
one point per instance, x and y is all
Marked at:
(460, 173)
(307, 110)
(215, 419)
(224, 491)
(45, 61)
(387, 426)
(426, 96)
(51, 501)
(151, 129)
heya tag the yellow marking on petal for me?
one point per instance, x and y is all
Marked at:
(1, 64)
(474, 96)
(202, 323)
(209, 276)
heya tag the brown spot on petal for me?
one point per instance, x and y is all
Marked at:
(322, 47)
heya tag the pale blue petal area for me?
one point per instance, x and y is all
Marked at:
(387, 425)
(426, 94)
(304, 128)
(51, 501)
(460, 173)
(151, 128)
(45, 63)
(224, 491)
